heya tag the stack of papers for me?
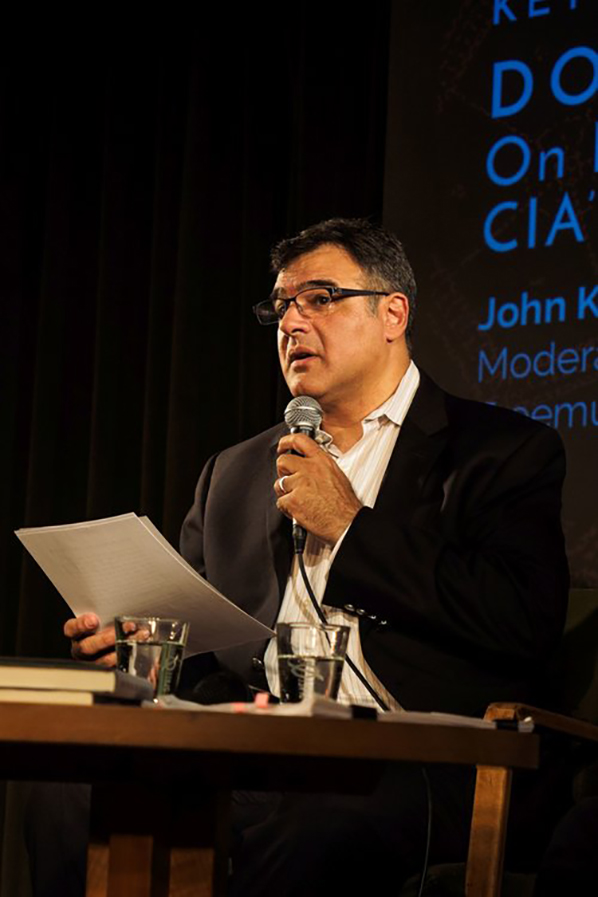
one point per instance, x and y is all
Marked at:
(124, 565)
(324, 708)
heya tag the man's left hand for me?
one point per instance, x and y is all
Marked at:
(315, 492)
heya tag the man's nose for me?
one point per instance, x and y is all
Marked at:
(293, 321)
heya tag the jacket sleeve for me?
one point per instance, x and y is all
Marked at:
(196, 667)
(192, 532)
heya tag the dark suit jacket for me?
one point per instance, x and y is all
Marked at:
(458, 573)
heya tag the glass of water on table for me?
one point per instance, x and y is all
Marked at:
(310, 660)
(152, 648)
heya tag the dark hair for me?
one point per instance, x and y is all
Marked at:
(378, 252)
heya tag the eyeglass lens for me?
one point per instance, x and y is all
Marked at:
(309, 302)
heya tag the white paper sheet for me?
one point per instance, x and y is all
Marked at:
(124, 565)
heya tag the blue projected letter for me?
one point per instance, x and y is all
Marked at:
(526, 156)
(499, 367)
(559, 154)
(574, 99)
(535, 10)
(565, 219)
(502, 6)
(514, 65)
(587, 301)
(489, 237)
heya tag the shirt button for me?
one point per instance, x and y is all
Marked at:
(257, 663)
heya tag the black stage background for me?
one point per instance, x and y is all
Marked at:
(145, 168)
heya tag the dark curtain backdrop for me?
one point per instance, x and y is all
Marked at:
(145, 168)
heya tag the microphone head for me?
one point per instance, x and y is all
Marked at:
(304, 412)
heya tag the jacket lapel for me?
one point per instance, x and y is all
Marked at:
(278, 532)
(421, 441)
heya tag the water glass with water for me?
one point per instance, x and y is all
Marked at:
(310, 660)
(151, 647)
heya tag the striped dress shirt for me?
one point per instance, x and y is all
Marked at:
(364, 465)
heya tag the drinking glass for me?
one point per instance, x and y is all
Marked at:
(151, 647)
(310, 660)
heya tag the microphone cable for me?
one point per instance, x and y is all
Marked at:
(424, 872)
(382, 704)
(322, 618)
(304, 415)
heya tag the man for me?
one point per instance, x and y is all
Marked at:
(462, 554)
(433, 531)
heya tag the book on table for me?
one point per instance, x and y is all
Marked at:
(46, 696)
(33, 675)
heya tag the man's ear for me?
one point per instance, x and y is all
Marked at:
(396, 315)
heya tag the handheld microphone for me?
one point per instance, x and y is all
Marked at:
(303, 415)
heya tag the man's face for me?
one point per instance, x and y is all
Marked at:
(338, 357)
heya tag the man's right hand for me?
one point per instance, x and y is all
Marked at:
(89, 642)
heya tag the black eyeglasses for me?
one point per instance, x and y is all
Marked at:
(311, 302)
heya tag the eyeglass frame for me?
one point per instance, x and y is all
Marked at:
(337, 294)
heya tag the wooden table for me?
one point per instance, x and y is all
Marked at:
(161, 778)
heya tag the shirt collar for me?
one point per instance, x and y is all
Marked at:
(397, 405)
(394, 409)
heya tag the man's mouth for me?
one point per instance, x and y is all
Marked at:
(300, 355)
